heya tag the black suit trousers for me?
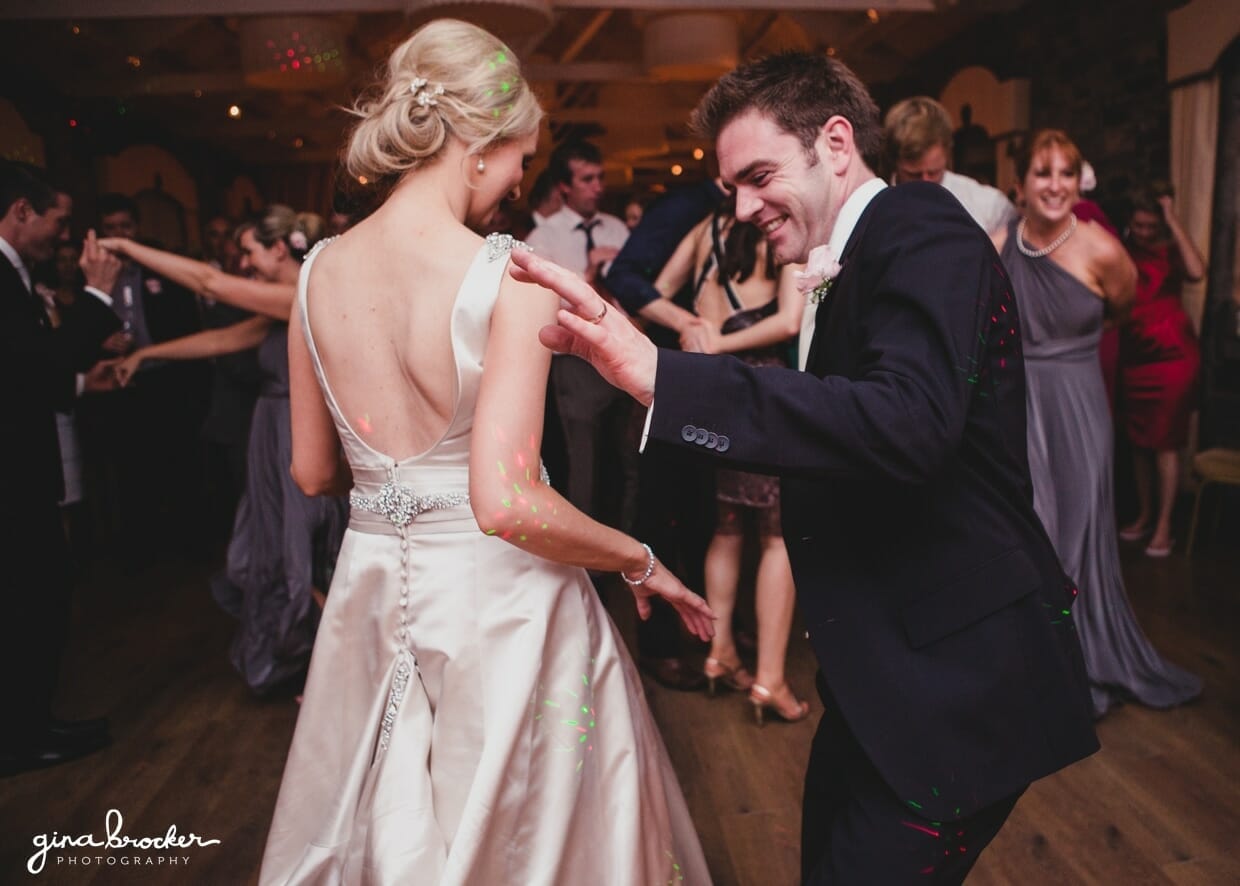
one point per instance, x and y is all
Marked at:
(855, 830)
(36, 600)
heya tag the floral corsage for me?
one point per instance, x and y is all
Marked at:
(820, 272)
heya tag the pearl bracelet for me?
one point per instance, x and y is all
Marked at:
(638, 582)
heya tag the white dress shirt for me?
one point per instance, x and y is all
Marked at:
(845, 222)
(560, 239)
(989, 208)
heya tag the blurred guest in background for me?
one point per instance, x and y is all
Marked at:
(1068, 276)
(1158, 359)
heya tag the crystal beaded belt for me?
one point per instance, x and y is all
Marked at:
(400, 505)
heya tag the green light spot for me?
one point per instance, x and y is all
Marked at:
(551, 704)
(500, 57)
(505, 502)
(934, 791)
(490, 532)
(914, 804)
(517, 489)
(523, 538)
(505, 86)
(502, 470)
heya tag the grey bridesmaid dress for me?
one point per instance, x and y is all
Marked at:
(1070, 457)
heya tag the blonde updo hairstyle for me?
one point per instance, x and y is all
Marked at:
(298, 230)
(485, 102)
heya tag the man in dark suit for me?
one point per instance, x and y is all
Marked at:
(675, 497)
(950, 671)
(44, 370)
(145, 452)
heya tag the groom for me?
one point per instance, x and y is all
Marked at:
(950, 671)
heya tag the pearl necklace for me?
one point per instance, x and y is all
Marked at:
(1049, 247)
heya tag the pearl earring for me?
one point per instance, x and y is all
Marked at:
(482, 167)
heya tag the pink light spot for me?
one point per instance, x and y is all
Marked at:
(922, 828)
(290, 53)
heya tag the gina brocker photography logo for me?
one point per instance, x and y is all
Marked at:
(118, 848)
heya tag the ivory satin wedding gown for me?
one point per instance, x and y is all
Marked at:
(471, 714)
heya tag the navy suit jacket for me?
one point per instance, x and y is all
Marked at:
(935, 603)
(39, 366)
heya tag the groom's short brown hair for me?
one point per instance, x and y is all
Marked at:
(800, 91)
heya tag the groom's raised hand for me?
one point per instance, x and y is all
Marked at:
(587, 328)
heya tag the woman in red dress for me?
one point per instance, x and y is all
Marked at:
(1159, 360)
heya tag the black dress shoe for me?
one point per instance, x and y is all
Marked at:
(51, 750)
(74, 728)
(673, 673)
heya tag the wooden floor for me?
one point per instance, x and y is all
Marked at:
(1159, 804)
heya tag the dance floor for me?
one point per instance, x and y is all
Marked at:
(1159, 804)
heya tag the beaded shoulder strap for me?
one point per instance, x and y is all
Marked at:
(499, 245)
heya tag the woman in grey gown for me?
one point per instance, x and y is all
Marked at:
(284, 543)
(1067, 277)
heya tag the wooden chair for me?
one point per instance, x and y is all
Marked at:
(1212, 466)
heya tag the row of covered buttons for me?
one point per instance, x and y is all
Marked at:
(703, 437)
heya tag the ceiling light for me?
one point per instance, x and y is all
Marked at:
(234, 111)
(693, 46)
(698, 153)
(677, 169)
(294, 52)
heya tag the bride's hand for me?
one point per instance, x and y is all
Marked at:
(125, 368)
(691, 608)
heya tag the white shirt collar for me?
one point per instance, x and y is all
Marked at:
(850, 213)
(16, 261)
(569, 218)
(845, 224)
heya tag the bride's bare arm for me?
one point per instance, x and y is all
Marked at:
(508, 497)
(319, 467)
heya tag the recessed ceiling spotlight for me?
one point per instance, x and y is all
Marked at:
(234, 111)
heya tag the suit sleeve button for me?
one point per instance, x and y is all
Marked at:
(724, 443)
(712, 440)
(702, 436)
(687, 433)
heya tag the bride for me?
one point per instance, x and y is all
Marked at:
(471, 715)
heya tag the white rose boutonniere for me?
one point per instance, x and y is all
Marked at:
(820, 272)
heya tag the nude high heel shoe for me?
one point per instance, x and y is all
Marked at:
(717, 673)
(763, 699)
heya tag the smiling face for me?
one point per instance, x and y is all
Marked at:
(1052, 186)
(265, 262)
(789, 193)
(505, 167)
(42, 231)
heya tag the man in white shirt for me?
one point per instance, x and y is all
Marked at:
(917, 137)
(545, 198)
(583, 240)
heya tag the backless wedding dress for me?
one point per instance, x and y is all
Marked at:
(471, 714)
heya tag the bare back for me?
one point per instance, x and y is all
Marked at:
(380, 306)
